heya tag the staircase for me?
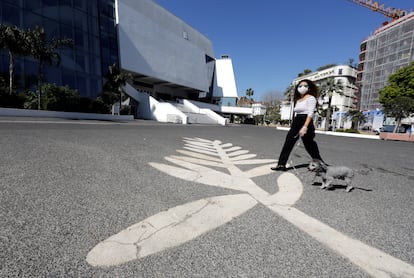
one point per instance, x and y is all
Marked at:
(193, 117)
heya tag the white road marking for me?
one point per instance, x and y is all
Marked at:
(168, 229)
(183, 223)
(373, 261)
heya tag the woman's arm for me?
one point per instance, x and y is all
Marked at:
(312, 104)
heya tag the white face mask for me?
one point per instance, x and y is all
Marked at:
(302, 89)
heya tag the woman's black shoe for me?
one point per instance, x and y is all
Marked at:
(279, 168)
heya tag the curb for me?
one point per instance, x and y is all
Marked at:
(342, 134)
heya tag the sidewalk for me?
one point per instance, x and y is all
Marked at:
(343, 134)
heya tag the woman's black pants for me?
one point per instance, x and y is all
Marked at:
(293, 136)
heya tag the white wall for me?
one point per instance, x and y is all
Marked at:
(225, 85)
(150, 109)
(156, 43)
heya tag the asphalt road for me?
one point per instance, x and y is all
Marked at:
(66, 186)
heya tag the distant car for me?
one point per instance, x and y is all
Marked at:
(249, 121)
(390, 128)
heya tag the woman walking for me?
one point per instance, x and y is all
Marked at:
(304, 100)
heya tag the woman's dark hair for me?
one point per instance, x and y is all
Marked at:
(313, 90)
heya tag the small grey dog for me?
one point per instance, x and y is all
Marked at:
(330, 173)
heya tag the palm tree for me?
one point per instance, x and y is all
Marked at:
(356, 117)
(45, 52)
(250, 93)
(116, 79)
(289, 93)
(327, 89)
(14, 40)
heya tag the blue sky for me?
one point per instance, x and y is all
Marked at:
(271, 41)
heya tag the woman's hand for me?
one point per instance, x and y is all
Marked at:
(303, 131)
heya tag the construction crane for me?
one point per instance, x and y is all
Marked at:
(388, 12)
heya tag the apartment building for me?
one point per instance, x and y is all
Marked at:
(388, 49)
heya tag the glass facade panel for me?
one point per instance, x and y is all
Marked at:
(50, 9)
(52, 75)
(10, 15)
(80, 4)
(33, 5)
(81, 21)
(51, 28)
(65, 3)
(31, 20)
(86, 22)
(66, 16)
(81, 86)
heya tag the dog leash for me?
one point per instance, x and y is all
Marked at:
(293, 152)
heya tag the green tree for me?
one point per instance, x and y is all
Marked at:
(305, 72)
(46, 53)
(327, 89)
(397, 98)
(272, 101)
(399, 108)
(289, 94)
(351, 63)
(60, 98)
(116, 80)
(326, 67)
(356, 118)
(250, 93)
(15, 41)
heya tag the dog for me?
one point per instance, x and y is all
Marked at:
(330, 173)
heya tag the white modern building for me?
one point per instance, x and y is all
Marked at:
(176, 77)
(259, 109)
(343, 101)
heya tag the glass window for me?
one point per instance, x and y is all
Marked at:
(81, 43)
(95, 64)
(51, 28)
(11, 15)
(31, 68)
(93, 27)
(81, 86)
(4, 64)
(66, 32)
(94, 45)
(81, 20)
(80, 62)
(52, 75)
(67, 3)
(66, 15)
(33, 5)
(50, 3)
(31, 20)
(69, 78)
(80, 4)
(92, 8)
(50, 9)
(93, 88)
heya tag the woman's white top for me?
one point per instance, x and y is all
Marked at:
(305, 106)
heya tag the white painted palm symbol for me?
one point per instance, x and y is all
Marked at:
(186, 222)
